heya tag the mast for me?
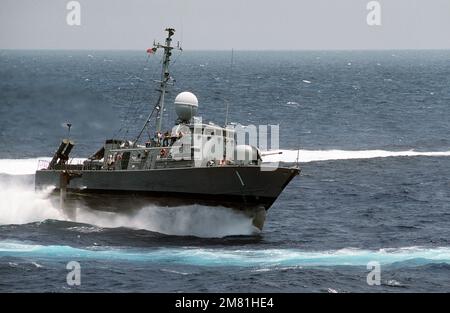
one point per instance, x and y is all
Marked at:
(165, 75)
(165, 78)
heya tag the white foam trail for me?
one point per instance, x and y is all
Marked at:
(20, 166)
(29, 166)
(26, 166)
(305, 156)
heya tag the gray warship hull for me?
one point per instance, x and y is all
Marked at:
(249, 189)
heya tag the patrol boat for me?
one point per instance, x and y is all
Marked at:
(194, 163)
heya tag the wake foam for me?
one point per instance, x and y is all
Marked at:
(20, 166)
(21, 204)
(26, 166)
(29, 166)
(304, 156)
(190, 220)
(266, 259)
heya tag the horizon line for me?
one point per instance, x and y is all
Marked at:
(227, 50)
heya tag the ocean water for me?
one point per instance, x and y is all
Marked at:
(373, 129)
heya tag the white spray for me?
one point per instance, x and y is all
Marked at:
(21, 204)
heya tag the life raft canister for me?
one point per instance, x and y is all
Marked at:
(163, 153)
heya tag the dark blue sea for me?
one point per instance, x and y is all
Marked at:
(373, 129)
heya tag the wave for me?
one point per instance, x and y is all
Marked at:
(305, 156)
(413, 256)
(29, 166)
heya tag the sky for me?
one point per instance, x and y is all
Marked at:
(226, 24)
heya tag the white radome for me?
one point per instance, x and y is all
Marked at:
(186, 105)
(246, 153)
